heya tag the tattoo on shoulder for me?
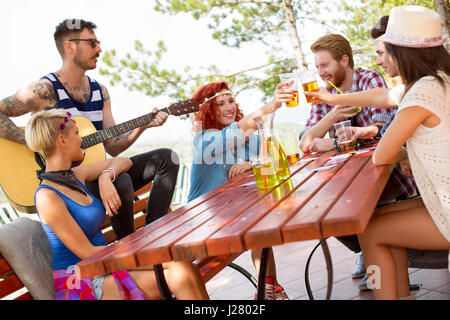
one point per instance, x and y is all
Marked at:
(15, 106)
(105, 94)
(45, 91)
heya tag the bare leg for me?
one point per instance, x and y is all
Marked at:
(182, 277)
(184, 280)
(412, 228)
(110, 289)
(271, 268)
(399, 206)
(400, 256)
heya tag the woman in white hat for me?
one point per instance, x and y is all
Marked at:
(414, 41)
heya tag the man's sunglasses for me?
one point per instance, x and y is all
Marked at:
(94, 42)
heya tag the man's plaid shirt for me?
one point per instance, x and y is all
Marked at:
(406, 184)
(364, 79)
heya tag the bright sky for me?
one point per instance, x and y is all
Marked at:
(28, 52)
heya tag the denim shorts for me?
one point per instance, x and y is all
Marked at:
(97, 286)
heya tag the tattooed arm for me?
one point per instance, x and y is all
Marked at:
(36, 96)
(118, 144)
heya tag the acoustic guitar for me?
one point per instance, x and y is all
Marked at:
(18, 165)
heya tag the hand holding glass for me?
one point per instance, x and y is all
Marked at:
(344, 133)
(286, 78)
(308, 79)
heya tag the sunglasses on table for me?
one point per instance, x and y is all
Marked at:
(93, 42)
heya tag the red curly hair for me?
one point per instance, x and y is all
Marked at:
(207, 112)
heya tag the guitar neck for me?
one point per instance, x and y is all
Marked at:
(114, 131)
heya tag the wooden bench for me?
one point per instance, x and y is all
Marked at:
(11, 287)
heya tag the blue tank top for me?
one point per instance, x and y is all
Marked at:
(92, 109)
(90, 219)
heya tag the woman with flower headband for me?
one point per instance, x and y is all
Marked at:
(223, 144)
(414, 41)
(72, 218)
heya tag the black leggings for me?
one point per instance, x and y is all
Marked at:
(161, 167)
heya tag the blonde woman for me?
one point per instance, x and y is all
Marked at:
(72, 217)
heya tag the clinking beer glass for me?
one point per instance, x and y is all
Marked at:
(308, 79)
(290, 143)
(286, 78)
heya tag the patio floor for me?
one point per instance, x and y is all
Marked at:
(291, 261)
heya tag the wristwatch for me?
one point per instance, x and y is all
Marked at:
(336, 144)
(378, 135)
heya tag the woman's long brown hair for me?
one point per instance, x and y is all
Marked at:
(415, 63)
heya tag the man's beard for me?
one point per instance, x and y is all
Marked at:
(83, 65)
(339, 77)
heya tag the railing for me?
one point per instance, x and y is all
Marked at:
(7, 213)
(182, 186)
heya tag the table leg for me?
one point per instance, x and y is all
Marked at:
(326, 253)
(161, 282)
(262, 274)
(245, 273)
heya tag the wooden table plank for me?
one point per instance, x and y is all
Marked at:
(235, 217)
(306, 223)
(267, 231)
(159, 249)
(121, 254)
(196, 238)
(174, 230)
(353, 210)
(194, 245)
(229, 239)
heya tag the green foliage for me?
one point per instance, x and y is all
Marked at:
(233, 23)
(140, 71)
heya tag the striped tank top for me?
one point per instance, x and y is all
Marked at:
(92, 109)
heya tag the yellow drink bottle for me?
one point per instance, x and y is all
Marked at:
(270, 146)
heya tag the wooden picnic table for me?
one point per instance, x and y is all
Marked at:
(237, 216)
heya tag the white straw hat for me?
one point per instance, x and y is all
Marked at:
(415, 27)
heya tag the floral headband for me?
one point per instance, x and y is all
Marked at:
(62, 126)
(220, 93)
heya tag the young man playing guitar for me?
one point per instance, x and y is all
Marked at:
(71, 89)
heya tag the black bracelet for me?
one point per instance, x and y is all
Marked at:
(378, 135)
(338, 147)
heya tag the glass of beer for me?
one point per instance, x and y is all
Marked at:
(290, 143)
(308, 79)
(344, 134)
(286, 78)
(264, 171)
